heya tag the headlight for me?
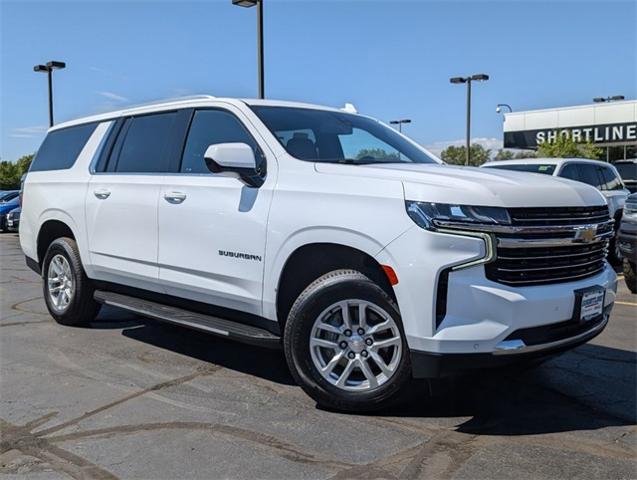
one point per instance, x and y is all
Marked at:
(430, 215)
(630, 209)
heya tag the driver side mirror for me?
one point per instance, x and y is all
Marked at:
(235, 160)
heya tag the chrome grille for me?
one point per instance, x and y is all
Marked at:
(546, 245)
(558, 216)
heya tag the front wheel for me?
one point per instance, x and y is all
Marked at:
(345, 345)
(629, 275)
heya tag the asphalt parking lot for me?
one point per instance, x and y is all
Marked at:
(130, 398)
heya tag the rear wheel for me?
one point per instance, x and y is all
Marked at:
(68, 292)
(345, 344)
(629, 275)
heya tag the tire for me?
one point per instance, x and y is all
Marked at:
(318, 304)
(614, 254)
(630, 275)
(81, 308)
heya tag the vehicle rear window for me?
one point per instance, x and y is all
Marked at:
(141, 145)
(61, 148)
(547, 169)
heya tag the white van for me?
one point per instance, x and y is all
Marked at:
(318, 229)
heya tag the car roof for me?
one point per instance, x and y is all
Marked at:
(186, 102)
(542, 161)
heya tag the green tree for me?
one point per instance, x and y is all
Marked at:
(504, 154)
(376, 153)
(564, 147)
(11, 172)
(456, 155)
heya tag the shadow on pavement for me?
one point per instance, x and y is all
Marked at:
(589, 388)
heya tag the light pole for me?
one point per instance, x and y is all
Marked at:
(500, 106)
(259, 5)
(48, 68)
(614, 98)
(400, 123)
(480, 77)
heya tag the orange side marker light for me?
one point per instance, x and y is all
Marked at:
(391, 275)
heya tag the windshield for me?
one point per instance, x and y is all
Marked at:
(335, 137)
(8, 196)
(628, 171)
(548, 169)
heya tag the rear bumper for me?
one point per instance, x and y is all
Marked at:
(560, 338)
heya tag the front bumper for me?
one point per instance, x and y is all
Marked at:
(627, 239)
(480, 315)
(564, 336)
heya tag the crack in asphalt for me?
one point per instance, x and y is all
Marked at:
(202, 371)
(277, 446)
(20, 438)
(26, 322)
(17, 306)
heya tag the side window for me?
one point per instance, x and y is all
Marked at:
(570, 171)
(61, 148)
(611, 180)
(210, 127)
(590, 174)
(141, 145)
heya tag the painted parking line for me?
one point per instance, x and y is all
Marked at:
(632, 304)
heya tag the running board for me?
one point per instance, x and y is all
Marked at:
(197, 321)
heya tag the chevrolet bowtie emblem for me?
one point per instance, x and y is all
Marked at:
(585, 234)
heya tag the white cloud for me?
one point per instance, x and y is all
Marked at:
(491, 143)
(27, 132)
(113, 96)
(107, 73)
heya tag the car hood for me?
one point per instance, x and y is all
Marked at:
(7, 207)
(476, 186)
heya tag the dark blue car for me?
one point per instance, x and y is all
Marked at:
(8, 201)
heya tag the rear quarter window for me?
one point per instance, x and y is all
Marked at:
(61, 148)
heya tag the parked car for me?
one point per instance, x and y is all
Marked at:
(7, 195)
(319, 230)
(600, 175)
(628, 171)
(628, 242)
(13, 220)
(8, 203)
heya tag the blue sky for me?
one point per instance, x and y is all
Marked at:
(390, 58)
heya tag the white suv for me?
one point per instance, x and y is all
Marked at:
(319, 229)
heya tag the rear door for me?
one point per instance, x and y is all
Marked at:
(122, 199)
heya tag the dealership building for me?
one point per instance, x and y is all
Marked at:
(611, 126)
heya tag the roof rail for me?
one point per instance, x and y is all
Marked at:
(170, 100)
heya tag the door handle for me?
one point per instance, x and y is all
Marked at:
(102, 193)
(174, 197)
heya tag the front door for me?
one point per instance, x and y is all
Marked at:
(212, 229)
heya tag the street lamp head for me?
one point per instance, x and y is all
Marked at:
(599, 99)
(480, 77)
(458, 80)
(40, 68)
(617, 97)
(53, 65)
(245, 3)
